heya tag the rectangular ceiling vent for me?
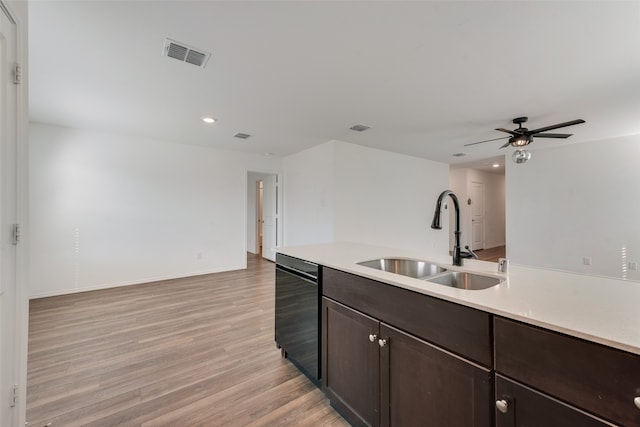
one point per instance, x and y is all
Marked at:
(242, 135)
(185, 53)
(360, 128)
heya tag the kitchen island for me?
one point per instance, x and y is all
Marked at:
(564, 346)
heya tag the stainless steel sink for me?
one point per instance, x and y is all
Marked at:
(406, 267)
(469, 281)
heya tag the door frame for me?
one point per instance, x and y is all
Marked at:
(17, 13)
(259, 220)
(280, 206)
(473, 201)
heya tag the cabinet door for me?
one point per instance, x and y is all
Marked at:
(350, 360)
(521, 406)
(423, 385)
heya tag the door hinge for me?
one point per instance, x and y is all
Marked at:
(17, 74)
(15, 234)
(14, 396)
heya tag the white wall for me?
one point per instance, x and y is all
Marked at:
(384, 198)
(459, 185)
(109, 210)
(344, 192)
(308, 196)
(576, 201)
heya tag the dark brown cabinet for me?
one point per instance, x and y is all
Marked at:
(423, 385)
(453, 327)
(591, 377)
(521, 406)
(379, 375)
(394, 357)
(351, 360)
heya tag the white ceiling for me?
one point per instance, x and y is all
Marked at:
(428, 77)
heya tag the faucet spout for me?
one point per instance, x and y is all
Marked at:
(458, 255)
(435, 224)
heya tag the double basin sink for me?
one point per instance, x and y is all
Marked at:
(432, 273)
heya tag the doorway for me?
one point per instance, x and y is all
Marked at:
(480, 187)
(263, 214)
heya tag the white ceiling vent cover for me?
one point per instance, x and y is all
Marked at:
(185, 53)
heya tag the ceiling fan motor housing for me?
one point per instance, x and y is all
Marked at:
(521, 140)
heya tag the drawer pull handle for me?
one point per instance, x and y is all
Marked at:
(502, 405)
(382, 342)
(636, 401)
(372, 337)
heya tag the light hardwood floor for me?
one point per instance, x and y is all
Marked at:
(492, 254)
(188, 352)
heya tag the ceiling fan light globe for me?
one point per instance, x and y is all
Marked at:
(521, 156)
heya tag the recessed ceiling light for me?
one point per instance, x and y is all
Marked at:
(495, 165)
(208, 120)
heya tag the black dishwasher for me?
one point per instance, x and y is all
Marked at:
(297, 313)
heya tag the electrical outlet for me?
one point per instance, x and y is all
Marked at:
(632, 265)
(586, 260)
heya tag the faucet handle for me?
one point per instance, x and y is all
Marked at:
(503, 265)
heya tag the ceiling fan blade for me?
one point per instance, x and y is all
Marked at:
(508, 131)
(487, 140)
(559, 125)
(553, 135)
(507, 144)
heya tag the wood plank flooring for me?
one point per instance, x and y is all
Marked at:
(197, 351)
(492, 254)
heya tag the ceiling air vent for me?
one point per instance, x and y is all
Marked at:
(185, 53)
(360, 128)
(242, 135)
(459, 154)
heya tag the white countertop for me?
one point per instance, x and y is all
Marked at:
(603, 310)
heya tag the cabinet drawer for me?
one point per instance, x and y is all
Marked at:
(590, 376)
(457, 328)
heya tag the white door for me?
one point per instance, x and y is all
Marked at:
(259, 217)
(270, 217)
(9, 339)
(477, 215)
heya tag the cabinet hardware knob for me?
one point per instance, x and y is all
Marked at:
(382, 342)
(502, 405)
(372, 337)
(636, 401)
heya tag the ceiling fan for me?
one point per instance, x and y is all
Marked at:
(523, 136)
